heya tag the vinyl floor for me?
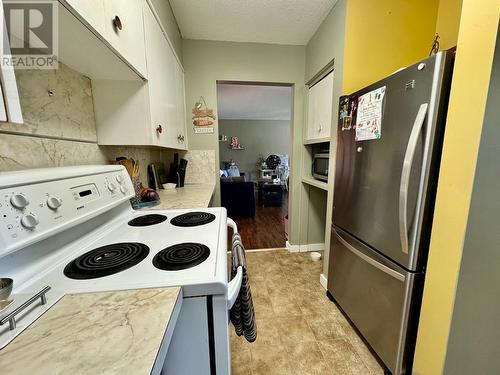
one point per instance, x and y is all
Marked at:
(300, 331)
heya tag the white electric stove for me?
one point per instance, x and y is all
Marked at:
(73, 229)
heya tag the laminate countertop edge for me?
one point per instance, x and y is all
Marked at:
(98, 332)
(189, 196)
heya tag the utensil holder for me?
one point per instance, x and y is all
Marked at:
(137, 189)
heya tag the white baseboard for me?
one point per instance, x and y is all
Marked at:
(262, 250)
(315, 247)
(292, 248)
(323, 281)
(305, 248)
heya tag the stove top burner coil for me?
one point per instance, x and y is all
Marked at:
(192, 219)
(181, 256)
(146, 220)
(106, 260)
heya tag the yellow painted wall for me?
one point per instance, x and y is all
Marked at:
(448, 21)
(476, 43)
(384, 35)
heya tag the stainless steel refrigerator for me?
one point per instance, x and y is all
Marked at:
(389, 145)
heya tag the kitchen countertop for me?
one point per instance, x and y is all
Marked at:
(189, 196)
(119, 332)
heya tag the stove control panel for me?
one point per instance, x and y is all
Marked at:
(32, 211)
(54, 202)
(19, 200)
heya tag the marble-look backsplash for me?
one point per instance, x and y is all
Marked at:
(59, 128)
(55, 103)
(201, 167)
(142, 155)
(23, 152)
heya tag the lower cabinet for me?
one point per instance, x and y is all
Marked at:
(149, 113)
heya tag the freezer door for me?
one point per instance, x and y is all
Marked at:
(376, 295)
(383, 187)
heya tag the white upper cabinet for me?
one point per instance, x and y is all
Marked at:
(312, 128)
(180, 106)
(91, 12)
(319, 109)
(161, 75)
(124, 30)
(118, 23)
(10, 104)
(150, 113)
(166, 86)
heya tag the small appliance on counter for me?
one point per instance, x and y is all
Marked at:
(177, 173)
(156, 176)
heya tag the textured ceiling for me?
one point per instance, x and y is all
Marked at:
(253, 102)
(262, 21)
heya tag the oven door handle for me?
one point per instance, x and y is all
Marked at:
(234, 286)
(233, 289)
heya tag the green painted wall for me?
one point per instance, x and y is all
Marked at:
(258, 137)
(205, 62)
(169, 22)
(327, 44)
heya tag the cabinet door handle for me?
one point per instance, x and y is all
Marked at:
(117, 23)
(159, 129)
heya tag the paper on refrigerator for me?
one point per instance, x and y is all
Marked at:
(369, 116)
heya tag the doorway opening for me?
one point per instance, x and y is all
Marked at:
(255, 128)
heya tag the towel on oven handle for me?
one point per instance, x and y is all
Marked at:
(242, 313)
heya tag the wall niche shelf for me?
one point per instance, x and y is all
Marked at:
(317, 140)
(316, 183)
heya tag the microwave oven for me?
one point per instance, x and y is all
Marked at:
(320, 166)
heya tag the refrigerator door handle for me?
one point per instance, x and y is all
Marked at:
(389, 271)
(405, 176)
